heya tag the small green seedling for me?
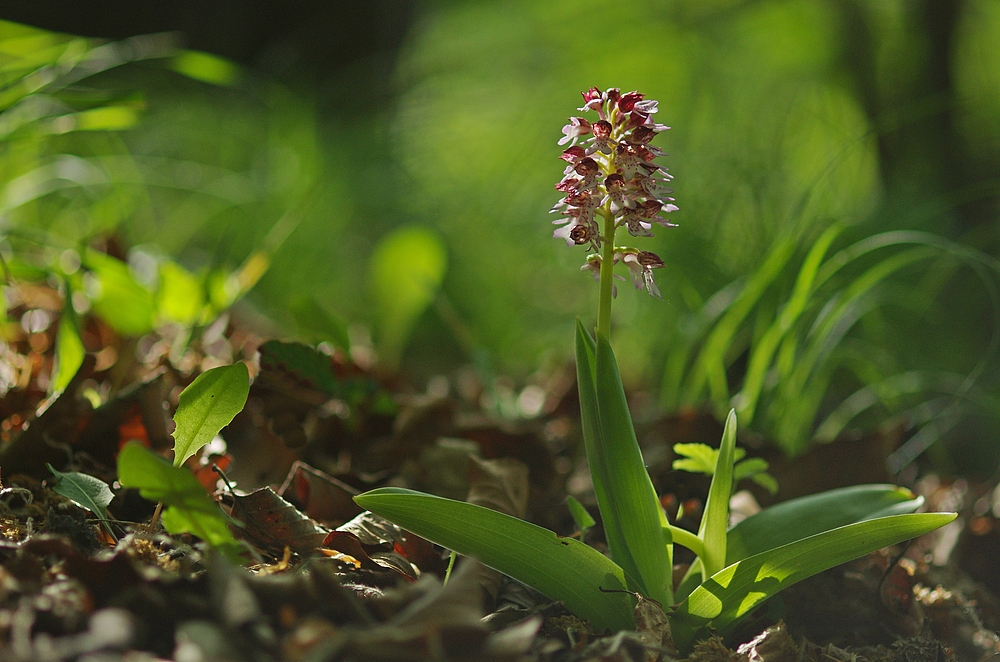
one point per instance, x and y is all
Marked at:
(85, 491)
(611, 183)
(206, 406)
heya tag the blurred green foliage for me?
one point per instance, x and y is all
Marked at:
(789, 116)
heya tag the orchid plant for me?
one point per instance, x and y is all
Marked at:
(612, 182)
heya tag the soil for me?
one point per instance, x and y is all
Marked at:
(325, 581)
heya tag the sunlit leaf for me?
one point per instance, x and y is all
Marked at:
(109, 118)
(561, 568)
(406, 270)
(733, 592)
(700, 458)
(206, 68)
(189, 508)
(180, 296)
(117, 298)
(85, 491)
(206, 406)
(809, 515)
(69, 350)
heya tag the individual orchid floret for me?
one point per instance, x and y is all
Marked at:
(602, 138)
(577, 127)
(640, 265)
(611, 180)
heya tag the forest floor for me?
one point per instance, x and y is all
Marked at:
(325, 581)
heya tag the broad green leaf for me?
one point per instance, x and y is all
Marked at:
(69, 350)
(635, 509)
(83, 490)
(117, 298)
(733, 592)
(189, 508)
(809, 515)
(586, 349)
(762, 355)
(580, 515)
(206, 406)
(406, 270)
(561, 568)
(715, 521)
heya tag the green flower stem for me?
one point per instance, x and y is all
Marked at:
(688, 539)
(607, 269)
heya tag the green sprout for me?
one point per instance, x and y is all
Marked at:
(612, 177)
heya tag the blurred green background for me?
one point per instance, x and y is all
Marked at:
(393, 165)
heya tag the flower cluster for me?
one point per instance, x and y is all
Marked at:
(611, 175)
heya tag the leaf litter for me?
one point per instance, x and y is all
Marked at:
(299, 573)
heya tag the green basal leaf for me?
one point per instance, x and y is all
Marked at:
(83, 490)
(69, 350)
(733, 592)
(206, 406)
(809, 515)
(635, 509)
(715, 521)
(189, 508)
(586, 349)
(580, 515)
(561, 568)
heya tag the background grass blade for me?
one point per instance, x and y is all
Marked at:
(731, 594)
(561, 568)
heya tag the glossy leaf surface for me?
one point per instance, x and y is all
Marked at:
(636, 508)
(561, 568)
(806, 516)
(730, 594)
(586, 350)
(206, 406)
